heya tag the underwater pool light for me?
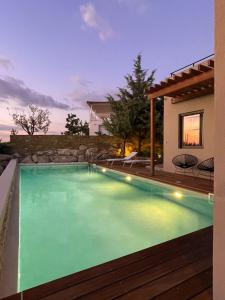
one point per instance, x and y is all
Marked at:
(178, 195)
(128, 178)
(104, 170)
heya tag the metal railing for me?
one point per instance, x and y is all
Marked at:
(191, 65)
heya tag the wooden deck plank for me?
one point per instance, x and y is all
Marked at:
(17, 296)
(155, 288)
(138, 281)
(160, 264)
(188, 288)
(205, 295)
(203, 236)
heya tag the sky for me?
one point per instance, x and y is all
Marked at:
(58, 54)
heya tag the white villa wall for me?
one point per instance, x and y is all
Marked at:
(96, 120)
(94, 126)
(171, 128)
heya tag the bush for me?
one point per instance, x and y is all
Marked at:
(6, 148)
(146, 152)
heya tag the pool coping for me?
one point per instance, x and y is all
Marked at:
(156, 179)
(9, 272)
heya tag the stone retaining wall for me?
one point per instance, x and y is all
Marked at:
(66, 148)
(71, 148)
(26, 144)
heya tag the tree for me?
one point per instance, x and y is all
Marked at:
(14, 131)
(130, 115)
(75, 126)
(139, 107)
(118, 124)
(35, 120)
(85, 128)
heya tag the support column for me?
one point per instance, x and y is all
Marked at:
(219, 144)
(152, 136)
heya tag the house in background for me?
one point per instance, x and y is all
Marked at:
(188, 112)
(98, 111)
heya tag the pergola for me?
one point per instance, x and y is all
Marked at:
(192, 81)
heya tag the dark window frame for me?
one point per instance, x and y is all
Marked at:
(180, 129)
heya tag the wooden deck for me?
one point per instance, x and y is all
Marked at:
(199, 184)
(177, 269)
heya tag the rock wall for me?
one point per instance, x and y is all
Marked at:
(65, 148)
(71, 148)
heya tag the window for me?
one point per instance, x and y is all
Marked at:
(190, 129)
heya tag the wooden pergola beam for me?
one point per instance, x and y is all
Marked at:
(193, 71)
(162, 83)
(179, 86)
(210, 63)
(192, 94)
(204, 68)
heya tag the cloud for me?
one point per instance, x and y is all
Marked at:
(5, 63)
(83, 92)
(93, 20)
(15, 89)
(80, 97)
(4, 127)
(80, 82)
(141, 6)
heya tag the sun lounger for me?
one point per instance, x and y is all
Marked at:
(127, 158)
(135, 161)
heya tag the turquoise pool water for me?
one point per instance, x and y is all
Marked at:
(75, 217)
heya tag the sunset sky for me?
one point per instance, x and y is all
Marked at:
(60, 53)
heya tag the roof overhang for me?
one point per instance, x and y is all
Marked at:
(100, 107)
(193, 82)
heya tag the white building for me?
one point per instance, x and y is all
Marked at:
(98, 111)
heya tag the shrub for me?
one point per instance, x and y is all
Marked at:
(6, 148)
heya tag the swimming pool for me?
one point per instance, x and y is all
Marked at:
(73, 217)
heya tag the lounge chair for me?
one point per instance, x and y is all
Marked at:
(136, 161)
(184, 163)
(128, 157)
(206, 166)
